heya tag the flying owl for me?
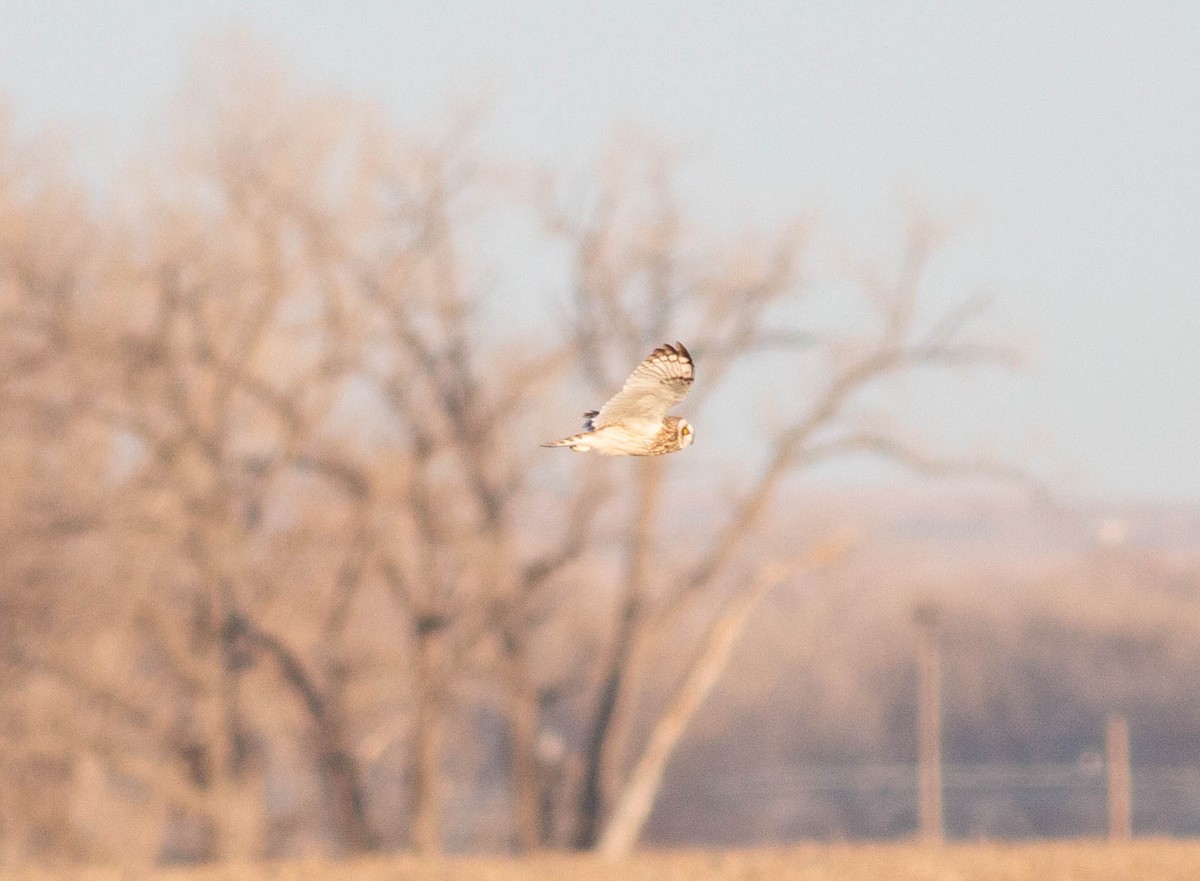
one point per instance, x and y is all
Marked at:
(635, 421)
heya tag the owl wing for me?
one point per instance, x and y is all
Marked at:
(658, 384)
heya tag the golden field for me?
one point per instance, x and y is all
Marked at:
(1147, 860)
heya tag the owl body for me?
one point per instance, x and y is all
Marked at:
(637, 439)
(634, 421)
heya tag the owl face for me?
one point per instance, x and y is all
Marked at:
(684, 433)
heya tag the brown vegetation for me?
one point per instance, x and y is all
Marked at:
(1151, 860)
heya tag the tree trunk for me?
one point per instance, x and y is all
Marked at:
(342, 776)
(637, 797)
(927, 618)
(602, 753)
(526, 782)
(1120, 786)
(428, 779)
(592, 794)
(239, 821)
(335, 762)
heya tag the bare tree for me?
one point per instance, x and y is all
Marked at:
(191, 360)
(275, 501)
(636, 798)
(51, 465)
(462, 570)
(640, 278)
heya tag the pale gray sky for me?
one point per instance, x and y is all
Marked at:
(1063, 139)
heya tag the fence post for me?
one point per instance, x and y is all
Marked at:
(1120, 778)
(927, 618)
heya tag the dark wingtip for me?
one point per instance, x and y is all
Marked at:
(682, 349)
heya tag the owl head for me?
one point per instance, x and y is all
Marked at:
(684, 433)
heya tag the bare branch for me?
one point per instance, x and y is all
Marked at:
(637, 797)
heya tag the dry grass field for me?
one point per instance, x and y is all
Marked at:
(1147, 860)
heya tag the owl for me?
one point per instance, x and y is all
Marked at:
(635, 421)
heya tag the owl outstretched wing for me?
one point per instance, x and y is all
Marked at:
(658, 384)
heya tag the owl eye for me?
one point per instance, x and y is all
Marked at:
(687, 429)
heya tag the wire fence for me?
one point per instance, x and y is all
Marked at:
(880, 801)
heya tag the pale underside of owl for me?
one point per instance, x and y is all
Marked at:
(635, 421)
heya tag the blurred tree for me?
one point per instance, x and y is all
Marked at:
(641, 278)
(274, 508)
(52, 462)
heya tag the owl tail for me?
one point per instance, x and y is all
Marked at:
(576, 442)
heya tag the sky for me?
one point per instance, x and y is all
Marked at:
(1061, 141)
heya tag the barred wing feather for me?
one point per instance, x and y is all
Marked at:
(658, 384)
